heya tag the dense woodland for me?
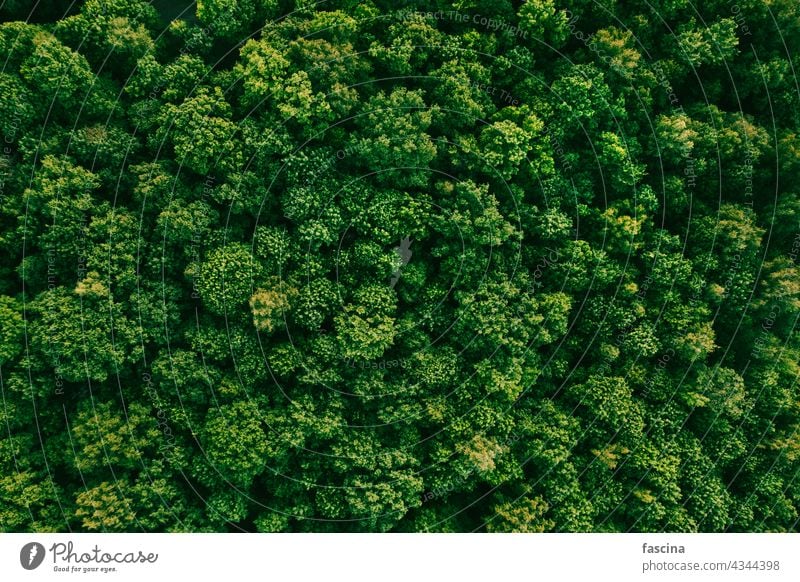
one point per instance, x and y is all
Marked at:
(478, 265)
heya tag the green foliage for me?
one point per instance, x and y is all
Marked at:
(226, 278)
(232, 19)
(393, 128)
(202, 133)
(347, 266)
(235, 444)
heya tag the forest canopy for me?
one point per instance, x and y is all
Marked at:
(420, 266)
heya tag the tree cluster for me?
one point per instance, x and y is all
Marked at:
(480, 265)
